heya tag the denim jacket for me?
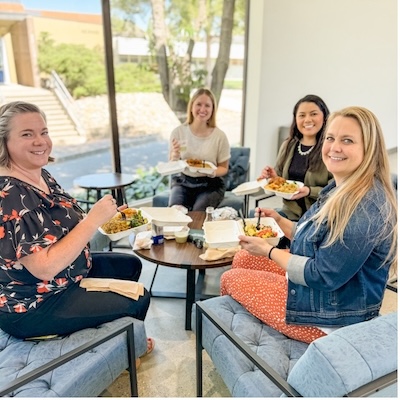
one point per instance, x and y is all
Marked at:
(344, 283)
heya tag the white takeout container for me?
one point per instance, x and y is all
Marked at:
(249, 187)
(287, 196)
(208, 171)
(166, 216)
(223, 234)
(268, 221)
(120, 235)
(170, 167)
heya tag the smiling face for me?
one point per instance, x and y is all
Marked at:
(202, 108)
(309, 121)
(29, 144)
(343, 147)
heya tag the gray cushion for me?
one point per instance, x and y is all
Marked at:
(331, 366)
(86, 376)
(242, 378)
(371, 346)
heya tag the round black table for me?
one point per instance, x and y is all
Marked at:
(114, 181)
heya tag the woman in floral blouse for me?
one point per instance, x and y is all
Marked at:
(44, 237)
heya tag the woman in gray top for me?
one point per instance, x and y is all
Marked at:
(199, 138)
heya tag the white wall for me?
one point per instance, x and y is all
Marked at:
(342, 50)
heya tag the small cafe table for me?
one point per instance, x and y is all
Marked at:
(116, 182)
(184, 256)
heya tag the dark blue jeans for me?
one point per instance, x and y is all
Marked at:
(75, 308)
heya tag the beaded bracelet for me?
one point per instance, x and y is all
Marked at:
(269, 254)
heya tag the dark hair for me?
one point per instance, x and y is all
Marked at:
(315, 158)
(7, 113)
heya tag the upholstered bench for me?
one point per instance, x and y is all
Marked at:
(103, 353)
(254, 360)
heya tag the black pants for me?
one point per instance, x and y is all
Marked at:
(196, 194)
(75, 308)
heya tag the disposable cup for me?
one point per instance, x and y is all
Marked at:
(181, 236)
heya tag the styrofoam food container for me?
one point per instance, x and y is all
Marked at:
(222, 234)
(170, 167)
(287, 196)
(167, 216)
(208, 171)
(119, 235)
(268, 221)
(249, 187)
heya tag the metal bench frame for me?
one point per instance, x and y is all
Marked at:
(51, 365)
(265, 368)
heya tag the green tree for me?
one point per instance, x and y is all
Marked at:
(87, 77)
(80, 68)
(175, 27)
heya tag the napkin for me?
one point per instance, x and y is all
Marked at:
(125, 288)
(217, 254)
(143, 240)
(224, 213)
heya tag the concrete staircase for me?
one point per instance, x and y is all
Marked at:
(62, 129)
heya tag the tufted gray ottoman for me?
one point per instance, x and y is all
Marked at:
(85, 376)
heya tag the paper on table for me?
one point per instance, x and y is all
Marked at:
(125, 288)
(217, 254)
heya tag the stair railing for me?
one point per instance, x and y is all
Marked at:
(65, 98)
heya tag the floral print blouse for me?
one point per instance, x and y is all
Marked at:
(31, 220)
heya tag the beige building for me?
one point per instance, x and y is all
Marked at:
(20, 31)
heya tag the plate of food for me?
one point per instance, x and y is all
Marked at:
(282, 187)
(249, 187)
(202, 166)
(170, 167)
(268, 230)
(122, 224)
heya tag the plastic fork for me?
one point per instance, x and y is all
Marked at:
(258, 220)
(242, 216)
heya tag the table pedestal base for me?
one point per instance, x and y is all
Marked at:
(194, 291)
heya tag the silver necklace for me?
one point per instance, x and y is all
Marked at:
(304, 153)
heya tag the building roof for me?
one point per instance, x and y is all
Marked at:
(140, 47)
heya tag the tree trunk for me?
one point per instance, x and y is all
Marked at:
(222, 62)
(160, 40)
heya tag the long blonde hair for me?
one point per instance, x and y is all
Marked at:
(340, 206)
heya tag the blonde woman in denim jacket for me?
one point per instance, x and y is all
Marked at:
(343, 248)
